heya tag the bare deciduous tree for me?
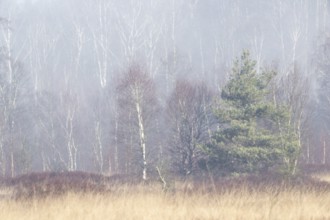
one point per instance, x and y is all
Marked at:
(14, 94)
(189, 114)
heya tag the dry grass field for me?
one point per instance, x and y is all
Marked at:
(188, 201)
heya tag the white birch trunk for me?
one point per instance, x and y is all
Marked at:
(3, 159)
(71, 146)
(142, 139)
(324, 152)
(116, 169)
(98, 147)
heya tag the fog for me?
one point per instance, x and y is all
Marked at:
(63, 60)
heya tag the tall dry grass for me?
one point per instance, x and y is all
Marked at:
(149, 202)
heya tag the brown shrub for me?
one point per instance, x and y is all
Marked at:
(267, 182)
(53, 183)
(315, 168)
(252, 183)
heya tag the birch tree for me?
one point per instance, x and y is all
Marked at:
(138, 103)
(42, 45)
(323, 93)
(14, 93)
(294, 91)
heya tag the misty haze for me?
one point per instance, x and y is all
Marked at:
(171, 98)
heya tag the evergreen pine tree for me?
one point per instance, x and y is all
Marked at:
(254, 134)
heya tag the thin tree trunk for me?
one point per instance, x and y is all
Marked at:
(3, 159)
(308, 152)
(142, 139)
(324, 152)
(12, 164)
(116, 144)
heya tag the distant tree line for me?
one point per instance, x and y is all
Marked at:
(242, 130)
(143, 88)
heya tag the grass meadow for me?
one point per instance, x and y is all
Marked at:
(187, 200)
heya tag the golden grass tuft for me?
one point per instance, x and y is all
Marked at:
(149, 202)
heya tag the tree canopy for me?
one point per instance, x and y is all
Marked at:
(254, 132)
